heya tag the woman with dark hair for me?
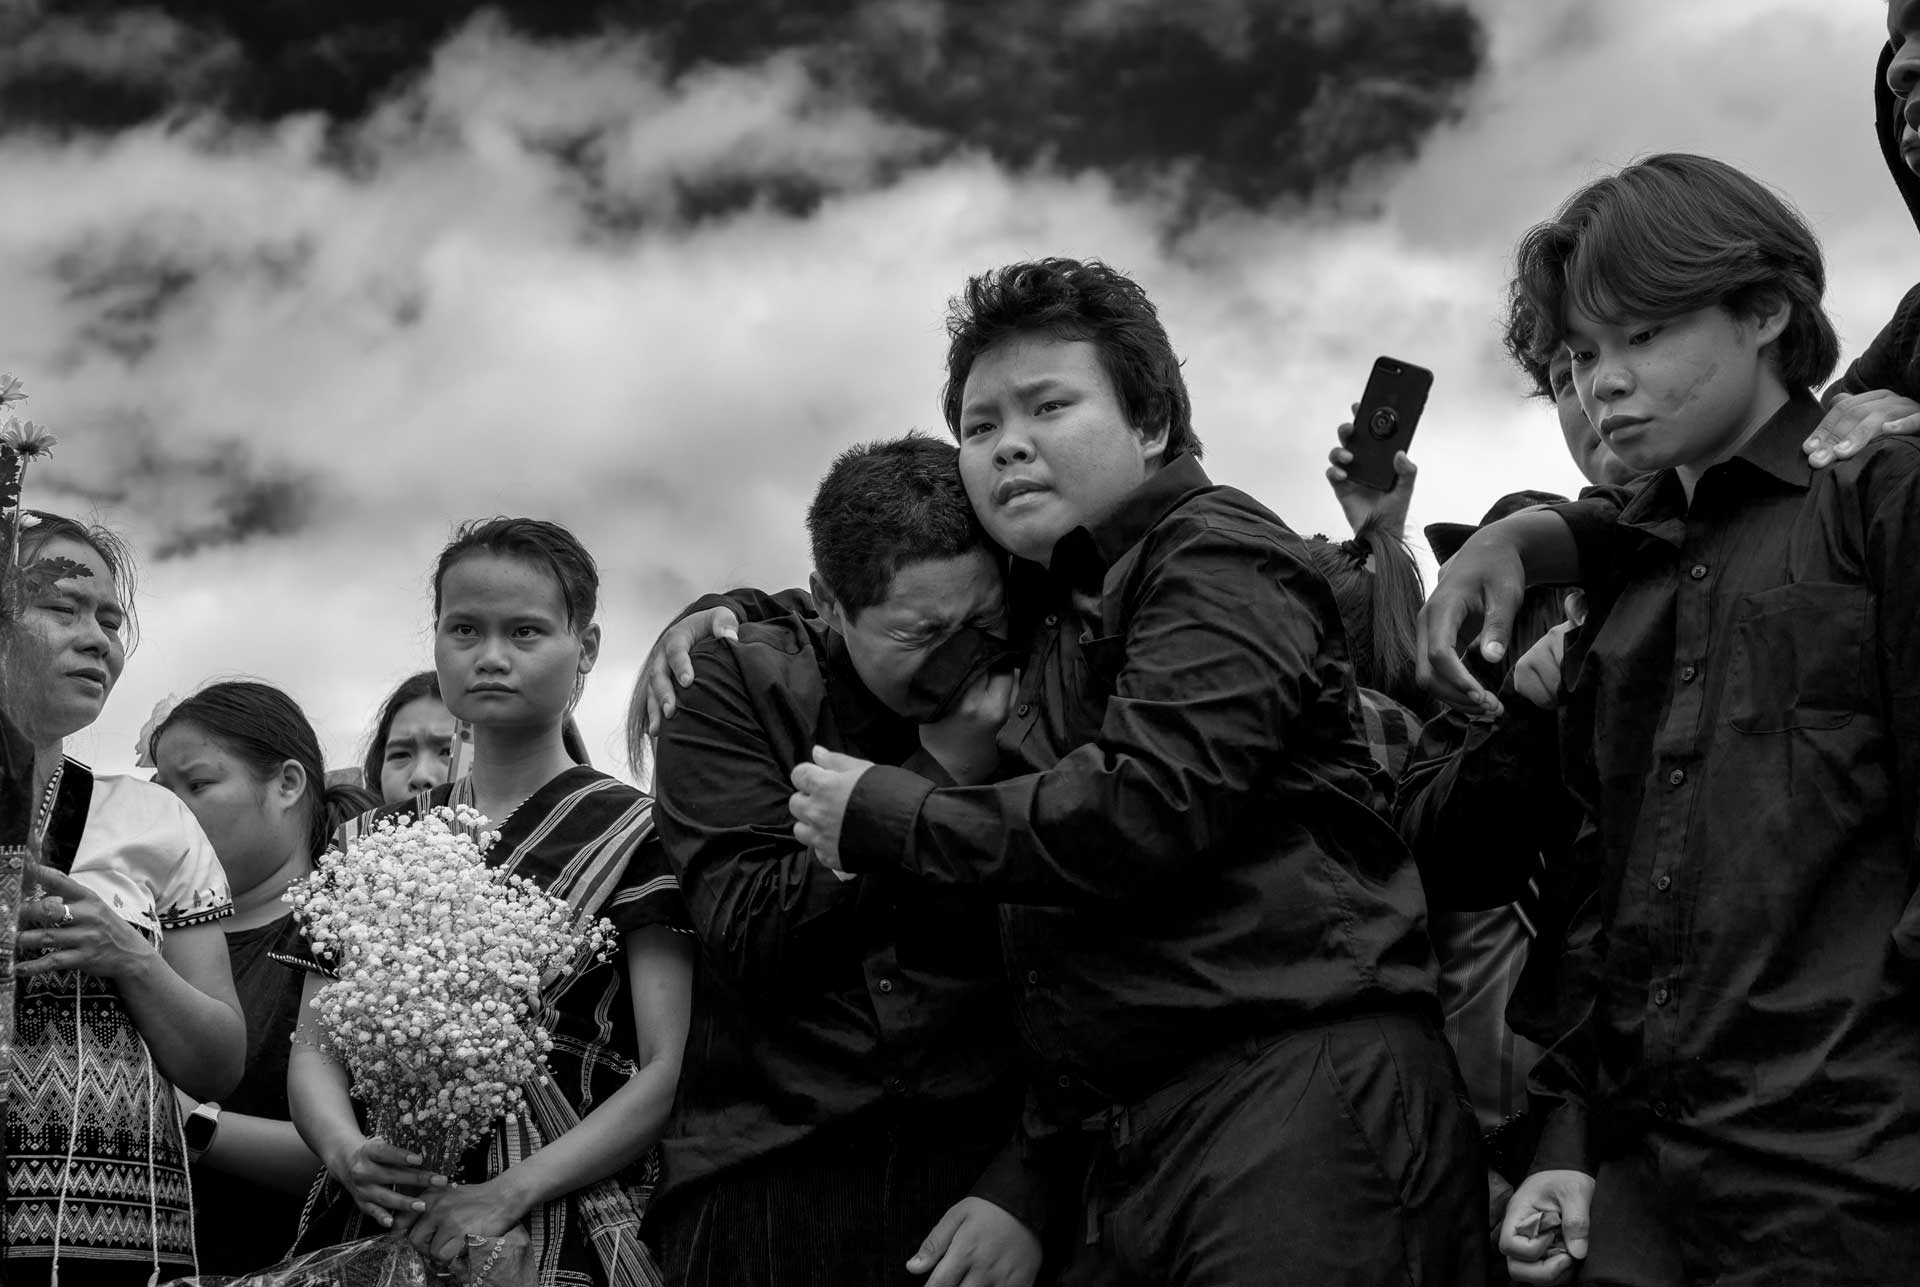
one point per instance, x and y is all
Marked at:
(125, 985)
(568, 1177)
(412, 744)
(244, 759)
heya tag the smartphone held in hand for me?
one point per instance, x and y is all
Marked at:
(1389, 411)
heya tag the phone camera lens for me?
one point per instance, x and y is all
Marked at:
(1383, 422)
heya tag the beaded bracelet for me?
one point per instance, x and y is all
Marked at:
(486, 1267)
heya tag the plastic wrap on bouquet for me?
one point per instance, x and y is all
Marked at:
(388, 1261)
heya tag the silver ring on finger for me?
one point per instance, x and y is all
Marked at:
(66, 917)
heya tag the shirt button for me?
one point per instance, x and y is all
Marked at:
(1022, 709)
(895, 1086)
(1698, 572)
(1033, 978)
(1687, 673)
(1661, 996)
(886, 985)
(1065, 1082)
(1663, 884)
(1052, 620)
(1676, 777)
(1660, 1109)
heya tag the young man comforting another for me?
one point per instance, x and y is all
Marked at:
(1217, 944)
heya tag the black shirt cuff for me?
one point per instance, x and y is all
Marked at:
(1016, 1188)
(878, 825)
(1563, 1142)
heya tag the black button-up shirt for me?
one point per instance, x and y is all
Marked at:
(1188, 843)
(819, 1004)
(1742, 723)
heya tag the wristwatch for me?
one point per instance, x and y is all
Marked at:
(199, 1129)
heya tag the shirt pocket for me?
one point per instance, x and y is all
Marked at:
(1799, 657)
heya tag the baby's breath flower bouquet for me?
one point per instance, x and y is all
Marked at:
(438, 961)
(434, 1011)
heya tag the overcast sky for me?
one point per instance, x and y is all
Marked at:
(286, 358)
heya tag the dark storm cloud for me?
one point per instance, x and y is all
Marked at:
(1246, 101)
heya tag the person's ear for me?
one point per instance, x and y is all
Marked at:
(1153, 444)
(1771, 314)
(288, 784)
(826, 604)
(589, 646)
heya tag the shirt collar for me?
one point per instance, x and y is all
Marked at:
(1083, 555)
(1774, 450)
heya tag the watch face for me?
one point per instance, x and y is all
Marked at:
(198, 1130)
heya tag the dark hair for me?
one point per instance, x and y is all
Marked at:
(1378, 589)
(882, 506)
(1070, 300)
(1671, 234)
(424, 683)
(536, 541)
(263, 728)
(112, 549)
(1518, 338)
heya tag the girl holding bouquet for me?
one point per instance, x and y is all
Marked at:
(243, 758)
(124, 988)
(514, 639)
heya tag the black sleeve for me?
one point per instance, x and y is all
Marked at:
(757, 899)
(1221, 655)
(750, 604)
(1481, 800)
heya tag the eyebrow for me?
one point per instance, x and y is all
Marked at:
(1022, 391)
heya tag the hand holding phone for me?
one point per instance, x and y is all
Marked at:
(1385, 419)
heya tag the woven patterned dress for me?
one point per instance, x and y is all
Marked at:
(96, 1167)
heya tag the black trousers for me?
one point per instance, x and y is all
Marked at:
(845, 1211)
(1345, 1153)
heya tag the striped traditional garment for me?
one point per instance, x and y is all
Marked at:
(588, 839)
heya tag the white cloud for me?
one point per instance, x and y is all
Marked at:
(441, 331)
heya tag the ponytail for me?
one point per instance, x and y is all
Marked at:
(342, 803)
(1378, 589)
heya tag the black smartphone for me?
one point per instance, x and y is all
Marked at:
(1389, 411)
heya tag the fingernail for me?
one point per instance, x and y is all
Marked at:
(439, 1181)
(419, 1206)
(1821, 457)
(386, 1221)
(414, 1159)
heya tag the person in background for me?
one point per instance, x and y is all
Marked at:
(414, 736)
(244, 760)
(125, 990)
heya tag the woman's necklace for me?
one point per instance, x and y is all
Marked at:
(43, 816)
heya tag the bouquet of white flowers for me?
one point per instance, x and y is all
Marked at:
(439, 960)
(434, 1010)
